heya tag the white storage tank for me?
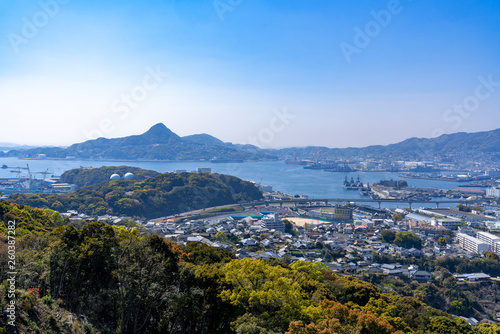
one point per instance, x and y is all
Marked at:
(128, 176)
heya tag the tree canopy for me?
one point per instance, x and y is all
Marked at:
(408, 240)
(156, 196)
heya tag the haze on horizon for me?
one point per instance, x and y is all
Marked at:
(345, 73)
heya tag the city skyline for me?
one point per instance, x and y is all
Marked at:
(328, 74)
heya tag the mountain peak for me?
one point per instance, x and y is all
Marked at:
(158, 129)
(204, 139)
(158, 134)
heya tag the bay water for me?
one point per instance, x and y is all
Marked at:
(290, 179)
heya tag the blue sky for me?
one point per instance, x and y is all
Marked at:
(234, 65)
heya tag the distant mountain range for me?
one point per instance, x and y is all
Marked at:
(11, 146)
(454, 145)
(160, 143)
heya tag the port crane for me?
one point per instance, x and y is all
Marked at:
(17, 170)
(44, 174)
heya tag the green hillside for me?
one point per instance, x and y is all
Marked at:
(156, 196)
(103, 279)
(28, 219)
(89, 176)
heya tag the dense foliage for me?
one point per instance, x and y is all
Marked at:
(408, 240)
(388, 236)
(157, 196)
(28, 219)
(108, 279)
(489, 265)
(120, 281)
(89, 176)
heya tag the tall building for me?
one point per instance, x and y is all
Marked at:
(492, 240)
(273, 222)
(472, 244)
(496, 247)
(493, 192)
(342, 212)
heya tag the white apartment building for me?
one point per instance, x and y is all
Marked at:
(492, 240)
(273, 222)
(472, 244)
(496, 247)
(447, 223)
(493, 192)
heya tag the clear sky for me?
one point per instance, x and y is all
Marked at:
(274, 73)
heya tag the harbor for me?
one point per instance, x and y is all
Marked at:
(287, 178)
(445, 177)
(23, 180)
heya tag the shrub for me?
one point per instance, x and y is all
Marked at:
(47, 300)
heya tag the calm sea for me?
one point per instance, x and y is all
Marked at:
(290, 179)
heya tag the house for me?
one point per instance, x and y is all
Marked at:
(391, 268)
(475, 277)
(248, 242)
(413, 252)
(375, 270)
(421, 275)
(267, 243)
(471, 321)
(299, 245)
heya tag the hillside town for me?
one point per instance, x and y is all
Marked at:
(344, 237)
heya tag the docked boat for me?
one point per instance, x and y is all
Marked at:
(365, 191)
(352, 185)
(314, 165)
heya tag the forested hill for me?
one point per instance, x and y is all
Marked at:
(89, 176)
(27, 219)
(157, 196)
(118, 281)
(108, 279)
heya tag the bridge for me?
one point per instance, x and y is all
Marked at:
(360, 200)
